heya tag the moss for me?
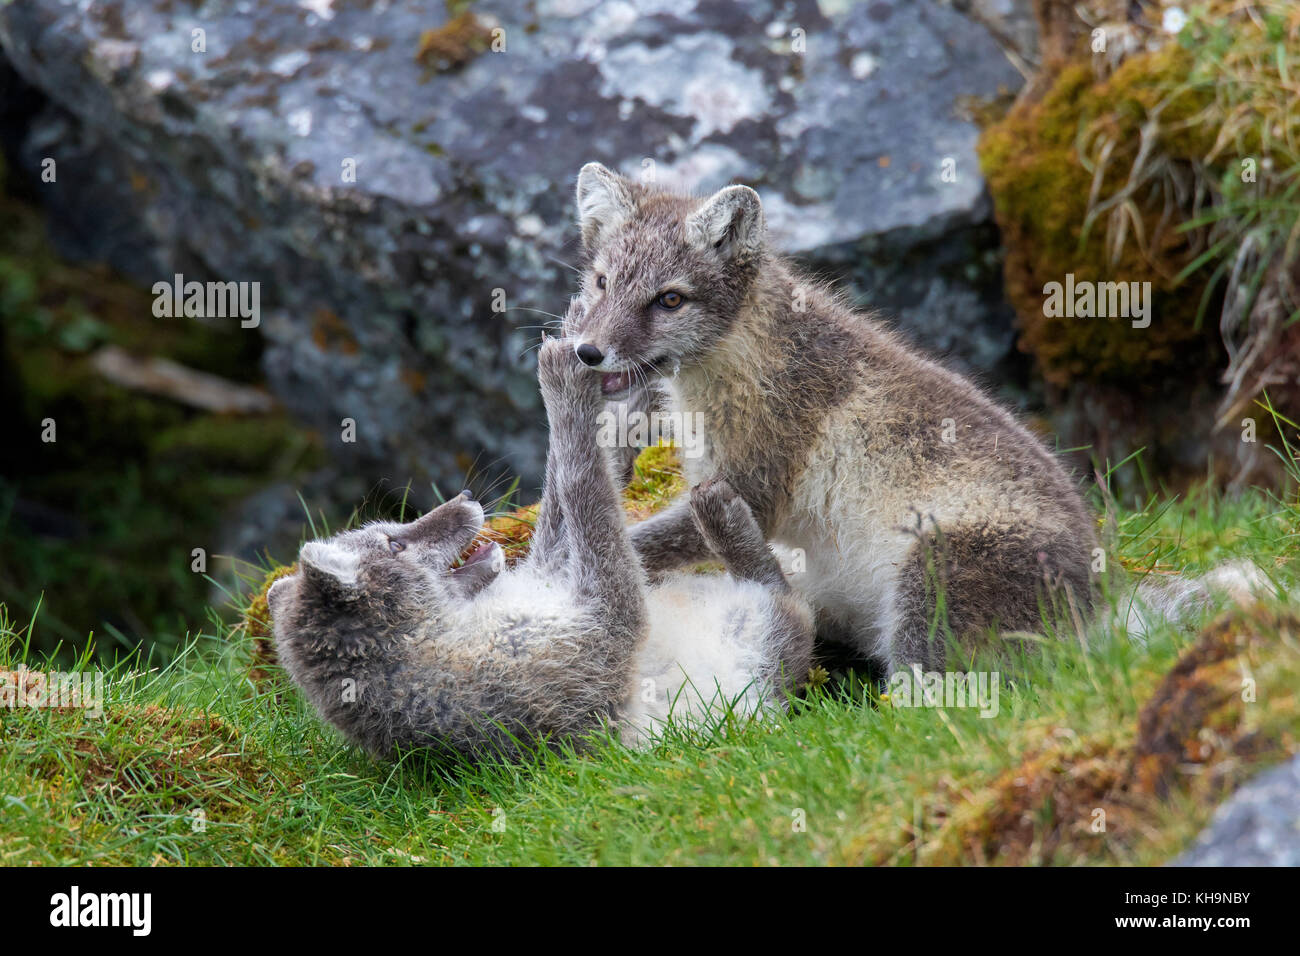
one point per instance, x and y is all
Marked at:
(1041, 192)
(256, 624)
(656, 480)
(455, 43)
(1194, 740)
(249, 446)
(514, 532)
(153, 757)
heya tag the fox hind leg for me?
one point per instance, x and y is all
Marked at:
(959, 584)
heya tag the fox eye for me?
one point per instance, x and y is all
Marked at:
(600, 282)
(395, 546)
(670, 300)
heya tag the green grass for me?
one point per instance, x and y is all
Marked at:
(194, 763)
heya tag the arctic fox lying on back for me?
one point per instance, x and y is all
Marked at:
(397, 647)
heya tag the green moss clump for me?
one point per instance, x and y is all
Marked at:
(256, 624)
(1041, 191)
(656, 480)
(234, 445)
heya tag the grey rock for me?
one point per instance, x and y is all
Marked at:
(1011, 22)
(1258, 826)
(378, 295)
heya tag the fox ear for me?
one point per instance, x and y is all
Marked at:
(604, 202)
(730, 221)
(331, 570)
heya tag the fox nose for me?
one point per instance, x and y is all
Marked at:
(589, 354)
(467, 495)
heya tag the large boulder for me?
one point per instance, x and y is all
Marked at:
(215, 140)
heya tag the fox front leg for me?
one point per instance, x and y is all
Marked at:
(729, 526)
(549, 544)
(600, 559)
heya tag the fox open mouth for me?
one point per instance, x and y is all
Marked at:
(612, 383)
(477, 552)
(616, 383)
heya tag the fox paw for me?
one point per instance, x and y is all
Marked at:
(563, 377)
(723, 516)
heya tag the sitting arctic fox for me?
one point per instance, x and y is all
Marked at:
(398, 647)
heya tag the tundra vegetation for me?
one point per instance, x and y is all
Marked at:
(1140, 156)
(1103, 750)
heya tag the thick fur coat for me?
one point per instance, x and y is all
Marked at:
(924, 511)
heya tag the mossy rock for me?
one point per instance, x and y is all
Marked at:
(1041, 192)
(237, 444)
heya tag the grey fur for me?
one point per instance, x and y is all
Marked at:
(832, 428)
(483, 660)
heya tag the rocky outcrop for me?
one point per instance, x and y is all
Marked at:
(398, 179)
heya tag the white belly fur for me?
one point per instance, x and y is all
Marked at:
(849, 527)
(707, 647)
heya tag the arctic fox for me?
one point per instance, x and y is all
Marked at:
(923, 511)
(398, 647)
(922, 508)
